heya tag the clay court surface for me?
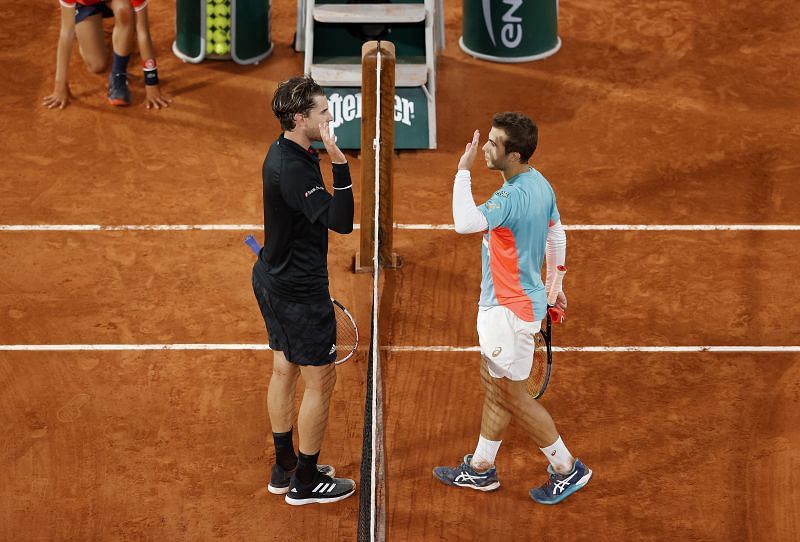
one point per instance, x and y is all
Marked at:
(666, 112)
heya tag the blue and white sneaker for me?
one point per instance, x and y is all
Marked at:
(561, 486)
(118, 93)
(280, 478)
(465, 476)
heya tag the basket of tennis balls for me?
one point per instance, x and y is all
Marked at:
(218, 29)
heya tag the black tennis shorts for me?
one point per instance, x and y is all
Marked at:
(304, 332)
(82, 12)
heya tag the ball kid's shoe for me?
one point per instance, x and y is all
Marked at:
(561, 486)
(118, 93)
(279, 481)
(465, 476)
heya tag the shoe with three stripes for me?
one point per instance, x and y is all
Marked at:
(280, 478)
(561, 486)
(323, 489)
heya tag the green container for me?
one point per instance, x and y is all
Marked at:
(510, 30)
(249, 31)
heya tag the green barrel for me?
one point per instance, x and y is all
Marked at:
(248, 42)
(250, 30)
(510, 30)
(189, 42)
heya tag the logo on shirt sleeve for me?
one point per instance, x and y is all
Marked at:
(316, 188)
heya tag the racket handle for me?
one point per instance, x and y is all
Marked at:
(557, 316)
(253, 244)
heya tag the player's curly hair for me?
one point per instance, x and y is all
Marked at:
(295, 95)
(522, 135)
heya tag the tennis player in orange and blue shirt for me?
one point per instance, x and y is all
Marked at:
(522, 227)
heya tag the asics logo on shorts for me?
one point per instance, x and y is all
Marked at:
(497, 351)
(333, 349)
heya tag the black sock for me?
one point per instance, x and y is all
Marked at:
(119, 64)
(284, 450)
(306, 468)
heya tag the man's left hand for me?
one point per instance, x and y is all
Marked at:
(470, 151)
(336, 154)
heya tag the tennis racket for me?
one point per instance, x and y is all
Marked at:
(543, 350)
(346, 328)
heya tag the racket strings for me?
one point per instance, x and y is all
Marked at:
(537, 378)
(346, 334)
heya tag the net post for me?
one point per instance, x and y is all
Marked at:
(363, 260)
(369, 102)
(389, 259)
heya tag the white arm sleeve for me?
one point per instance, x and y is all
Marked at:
(556, 253)
(467, 217)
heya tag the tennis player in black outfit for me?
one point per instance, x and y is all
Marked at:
(290, 282)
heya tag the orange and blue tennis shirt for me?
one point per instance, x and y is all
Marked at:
(519, 214)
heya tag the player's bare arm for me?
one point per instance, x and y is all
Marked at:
(154, 99)
(61, 94)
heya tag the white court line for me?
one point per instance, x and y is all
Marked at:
(131, 227)
(101, 347)
(233, 346)
(619, 349)
(257, 227)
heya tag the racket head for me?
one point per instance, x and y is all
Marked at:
(346, 333)
(540, 370)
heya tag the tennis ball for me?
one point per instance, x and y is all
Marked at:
(223, 22)
(222, 10)
(219, 36)
(221, 48)
(210, 21)
(209, 35)
(209, 48)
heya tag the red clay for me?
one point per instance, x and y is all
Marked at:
(652, 113)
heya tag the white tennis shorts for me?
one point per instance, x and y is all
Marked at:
(507, 342)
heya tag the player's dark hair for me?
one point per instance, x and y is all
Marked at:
(522, 135)
(295, 95)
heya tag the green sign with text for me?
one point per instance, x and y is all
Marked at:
(410, 117)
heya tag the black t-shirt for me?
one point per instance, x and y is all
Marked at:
(295, 253)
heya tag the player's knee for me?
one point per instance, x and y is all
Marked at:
(323, 379)
(96, 65)
(282, 372)
(330, 380)
(123, 14)
(516, 394)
